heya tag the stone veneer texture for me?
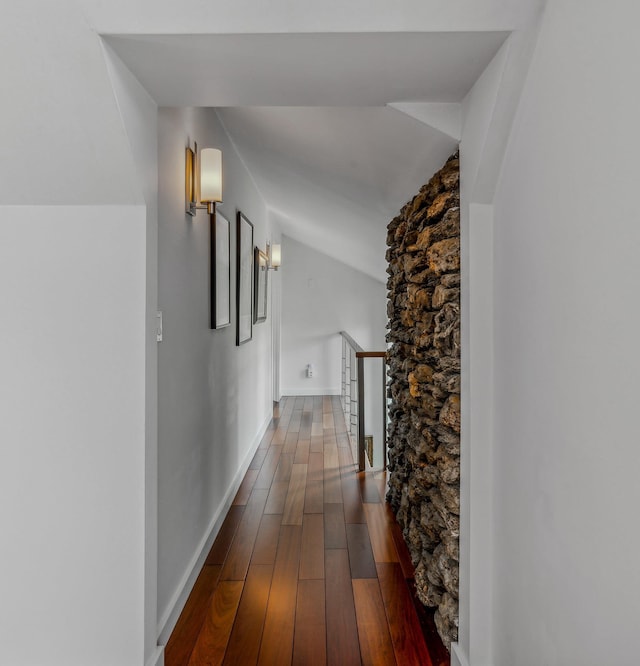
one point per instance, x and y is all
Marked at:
(424, 388)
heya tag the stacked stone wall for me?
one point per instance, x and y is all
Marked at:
(424, 388)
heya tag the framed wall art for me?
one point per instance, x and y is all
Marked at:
(220, 271)
(260, 280)
(244, 280)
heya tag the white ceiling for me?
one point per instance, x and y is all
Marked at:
(301, 16)
(308, 115)
(337, 175)
(307, 69)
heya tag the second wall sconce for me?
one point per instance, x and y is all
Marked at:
(203, 180)
(274, 256)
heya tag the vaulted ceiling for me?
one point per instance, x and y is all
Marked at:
(309, 115)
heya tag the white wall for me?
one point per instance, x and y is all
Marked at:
(62, 109)
(488, 111)
(475, 631)
(567, 587)
(139, 114)
(73, 362)
(72, 464)
(215, 399)
(320, 298)
(548, 480)
(275, 310)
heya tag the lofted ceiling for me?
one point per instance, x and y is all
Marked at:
(330, 69)
(335, 176)
(310, 116)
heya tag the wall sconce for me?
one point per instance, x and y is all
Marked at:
(205, 191)
(274, 256)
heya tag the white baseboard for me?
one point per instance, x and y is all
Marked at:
(169, 618)
(458, 656)
(157, 658)
(310, 391)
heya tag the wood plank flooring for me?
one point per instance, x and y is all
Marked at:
(309, 566)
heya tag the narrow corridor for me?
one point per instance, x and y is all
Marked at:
(309, 566)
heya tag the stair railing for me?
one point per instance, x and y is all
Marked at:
(353, 398)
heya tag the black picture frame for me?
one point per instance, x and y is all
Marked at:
(260, 285)
(244, 279)
(220, 271)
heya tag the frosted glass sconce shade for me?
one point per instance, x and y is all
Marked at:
(275, 256)
(210, 175)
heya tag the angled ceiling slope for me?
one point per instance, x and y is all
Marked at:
(335, 176)
(310, 115)
(337, 69)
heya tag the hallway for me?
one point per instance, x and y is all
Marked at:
(309, 566)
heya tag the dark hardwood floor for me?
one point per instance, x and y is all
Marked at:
(309, 566)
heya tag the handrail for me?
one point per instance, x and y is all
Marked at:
(352, 342)
(353, 400)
